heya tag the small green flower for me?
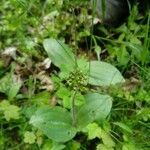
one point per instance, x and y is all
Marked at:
(77, 80)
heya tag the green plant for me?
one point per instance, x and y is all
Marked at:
(60, 124)
(130, 41)
(38, 98)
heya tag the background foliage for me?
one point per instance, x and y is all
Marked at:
(41, 44)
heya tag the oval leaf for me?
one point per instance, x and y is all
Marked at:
(59, 53)
(56, 123)
(96, 108)
(104, 74)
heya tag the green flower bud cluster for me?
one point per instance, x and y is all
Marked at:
(77, 80)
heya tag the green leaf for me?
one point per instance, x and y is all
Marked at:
(123, 126)
(29, 137)
(129, 146)
(4, 105)
(93, 130)
(96, 107)
(60, 54)
(9, 111)
(97, 49)
(52, 145)
(107, 140)
(47, 144)
(82, 65)
(73, 145)
(56, 123)
(65, 95)
(12, 112)
(42, 98)
(10, 85)
(143, 113)
(28, 111)
(103, 147)
(104, 74)
(57, 146)
(137, 49)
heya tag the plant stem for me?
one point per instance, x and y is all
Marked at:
(73, 107)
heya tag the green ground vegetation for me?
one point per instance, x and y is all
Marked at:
(67, 83)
